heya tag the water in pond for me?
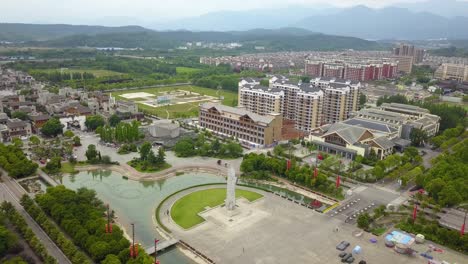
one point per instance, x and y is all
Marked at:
(135, 202)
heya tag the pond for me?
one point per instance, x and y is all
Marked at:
(135, 202)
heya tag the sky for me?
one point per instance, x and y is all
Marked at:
(89, 11)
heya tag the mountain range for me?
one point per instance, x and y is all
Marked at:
(285, 39)
(433, 19)
(422, 20)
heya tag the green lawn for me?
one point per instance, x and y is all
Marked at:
(182, 70)
(180, 110)
(185, 211)
(97, 73)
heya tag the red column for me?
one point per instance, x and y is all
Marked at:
(338, 181)
(415, 212)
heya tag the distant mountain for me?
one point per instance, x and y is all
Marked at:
(289, 39)
(42, 32)
(446, 8)
(387, 23)
(267, 18)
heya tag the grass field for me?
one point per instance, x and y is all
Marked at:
(185, 211)
(67, 167)
(180, 110)
(182, 70)
(96, 73)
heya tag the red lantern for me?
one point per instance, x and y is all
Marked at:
(288, 164)
(315, 172)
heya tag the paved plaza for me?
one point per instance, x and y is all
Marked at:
(284, 232)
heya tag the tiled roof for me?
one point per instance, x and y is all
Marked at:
(239, 111)
(370, 124)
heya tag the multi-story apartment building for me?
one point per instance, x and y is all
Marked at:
(405, 64)
(410, 51)
(354, 70)
(250, 129)
(448, 71)
(323, 100)
(340, 99)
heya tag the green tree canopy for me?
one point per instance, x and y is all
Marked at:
(94, 121)
(52, 128)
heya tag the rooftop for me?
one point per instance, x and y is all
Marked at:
(238, 111)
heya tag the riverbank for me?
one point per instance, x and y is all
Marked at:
(132, 174)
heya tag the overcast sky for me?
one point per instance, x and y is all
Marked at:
(86, 11)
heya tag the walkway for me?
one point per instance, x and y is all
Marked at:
(162, 246)
(131, 173)
(12, 192)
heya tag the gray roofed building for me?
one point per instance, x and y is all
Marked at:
(372, 125)
(384, 142)
(238, 111)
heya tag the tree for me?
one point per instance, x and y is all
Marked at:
(34, 140)
(94, 121)
(111, 259)
(7, 240)
(185, 148)
(362, 99)
(411, 153)
(15, 260)
(114, 120)
(265, 82)
(160, 159)
(91, 153)
(69, 134)
(52, 128)
(418, 137)
(17, 142)
(20, 115)
(363, 221)
(145, 150)
(76, 141)
(54, 165)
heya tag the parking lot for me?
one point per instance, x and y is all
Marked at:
(349, 211)
(363, 200)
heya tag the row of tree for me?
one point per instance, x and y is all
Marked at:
(446, 182)
(187, 147)
(80, 214)
(122, 132)
(57, 76)
(18, 221)
(65, 244)
(8, 240)
(260, 166)
(15, 162)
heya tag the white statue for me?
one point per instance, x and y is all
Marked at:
(231, 189)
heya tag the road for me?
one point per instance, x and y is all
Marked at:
(12, 192)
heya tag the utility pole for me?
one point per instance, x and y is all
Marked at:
(156, 261)
(132, 251)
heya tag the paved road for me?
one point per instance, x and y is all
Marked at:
(12, 192)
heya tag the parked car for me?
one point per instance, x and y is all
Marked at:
(350, 260)
(342, 254)
(342, 246)
(346, 257)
